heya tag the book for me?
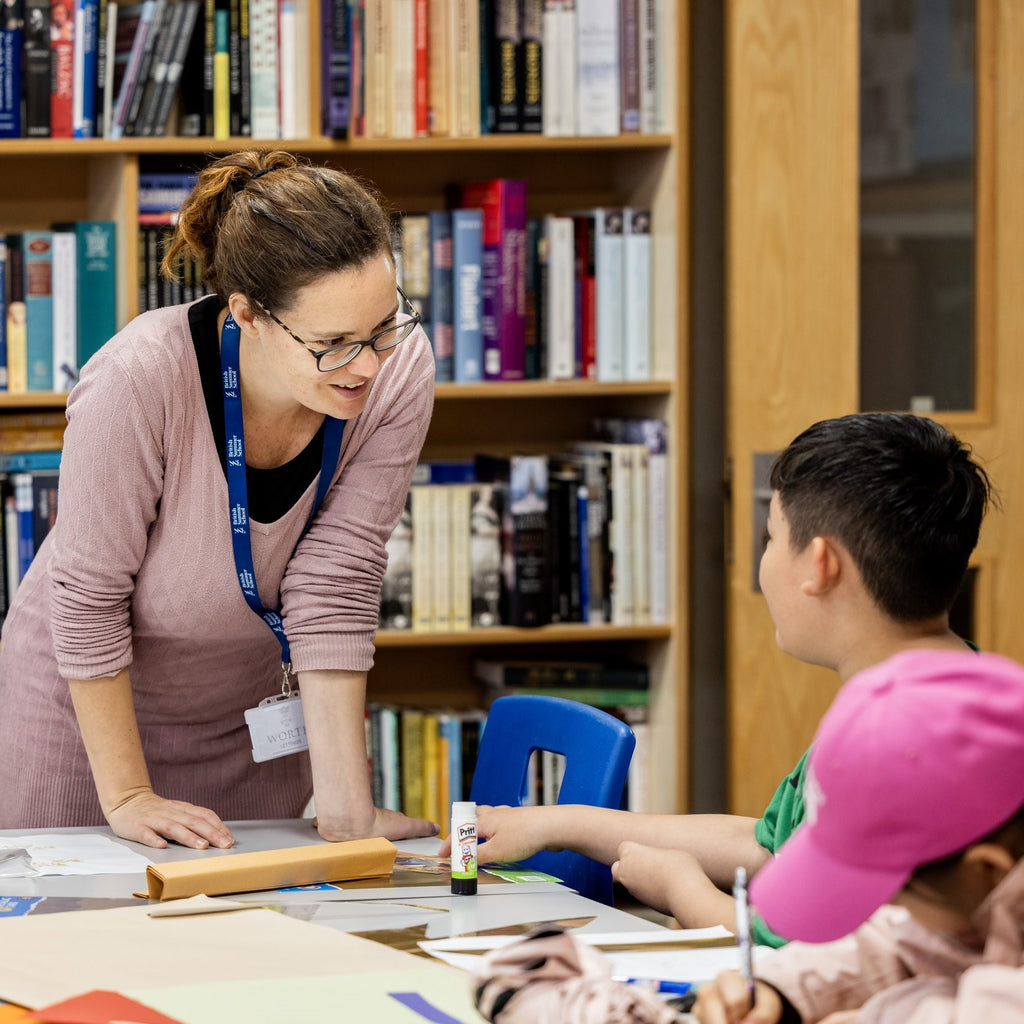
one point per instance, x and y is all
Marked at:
(585, 277)
(421, 69)
(414, 229)
(524, 534)
(36, 69)
(24, 506)
(403, 69)
(38, 269)
(335, 64)
(235, 65)
(488, 73)
(506, 59)
(263, 57)
(597, 696)
(629, 66)
(440, 36)
(608, 285)
(564, 549)
(12, 564)
(597, 67)
(531, 96)
(96, 243)
(154, 39)
(422, 505)
(450, 729)
(44, 504)
(396, 587)
(221, 73)
(189, 32)
(503, 202)
(441, 562)
(29, 462)
(647, 66)
(467, 295)
(485, 570)
(413, 764)
(62, 46)
(65, 309)
(559, 301)
(378, 53)
(464, 64)
(293, 68)
(459, 527)
(17, 339)
(84, 69)
(558, 70)
(432, 768)
(12, 28)
(637, 303)
(3, 314)
(440, 328)
(103, 47)
(533, 361)
(444, 471)
(133, 23)
(167, 35)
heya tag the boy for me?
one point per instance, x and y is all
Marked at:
(915, 794)
(872, 521)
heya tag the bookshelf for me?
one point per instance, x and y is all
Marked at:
(43, 180)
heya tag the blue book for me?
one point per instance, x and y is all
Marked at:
(12, 30)
(445, 471)
(97, 285)
(450, 727)
(26, 462)
(441, 327)
(25, 507)
(38, 247)
(83, 120)
(335, 65)
(467, 294)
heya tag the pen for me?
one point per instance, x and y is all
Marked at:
(739, 892)
(676, 988)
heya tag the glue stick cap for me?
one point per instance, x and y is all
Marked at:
(463, 809)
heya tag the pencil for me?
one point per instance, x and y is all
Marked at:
(739, 892)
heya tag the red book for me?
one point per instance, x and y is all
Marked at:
(421, 68)
(586, 297)
(503, 201)
(62, 43)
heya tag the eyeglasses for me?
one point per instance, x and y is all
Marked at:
(340, 353)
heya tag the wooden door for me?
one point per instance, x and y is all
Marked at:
(792, 357)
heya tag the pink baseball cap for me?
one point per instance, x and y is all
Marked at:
(917, 758)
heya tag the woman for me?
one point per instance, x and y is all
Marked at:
(225, 460)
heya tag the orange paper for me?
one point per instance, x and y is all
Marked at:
(271, 869)
(99, 1007)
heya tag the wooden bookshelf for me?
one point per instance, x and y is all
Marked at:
(43, 180)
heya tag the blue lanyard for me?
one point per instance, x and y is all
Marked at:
(238, 498)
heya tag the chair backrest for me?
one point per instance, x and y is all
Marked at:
(597, 748)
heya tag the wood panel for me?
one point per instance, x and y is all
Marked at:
(791, 275)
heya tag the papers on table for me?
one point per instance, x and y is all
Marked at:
(73, 854)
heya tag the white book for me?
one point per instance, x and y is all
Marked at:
(650, 121)
(659, 537)
(293, 68)
(459, 509)
(552, 770)
(637, 793)
(597, 73)
(608, 278)
(403, 71)
(65, 310)
(378, 50)
(464, 99)
(441, 579)
(637, 312)
(390, 773)
(11, 545)
(559, 298)
(558, 68)
(263, 69)
(640, 551)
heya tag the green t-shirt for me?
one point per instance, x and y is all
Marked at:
(779, 822)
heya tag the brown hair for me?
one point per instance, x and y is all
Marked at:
(267, 223)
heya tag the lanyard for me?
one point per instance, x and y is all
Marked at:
(238, 498)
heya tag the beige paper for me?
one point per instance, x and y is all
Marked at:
(270, 869)
(55, 956)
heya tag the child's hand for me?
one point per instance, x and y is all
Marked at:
(511, 833)
(726, 1000)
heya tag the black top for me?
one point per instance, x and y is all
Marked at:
(272, 492)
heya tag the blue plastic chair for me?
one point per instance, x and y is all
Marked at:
(597, 749)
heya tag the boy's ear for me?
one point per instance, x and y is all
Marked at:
(990, 860)
(824, 568)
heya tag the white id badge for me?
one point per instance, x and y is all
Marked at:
(276, 727)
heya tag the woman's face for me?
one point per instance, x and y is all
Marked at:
(347, 306)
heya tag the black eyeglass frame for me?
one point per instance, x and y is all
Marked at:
(353, 348)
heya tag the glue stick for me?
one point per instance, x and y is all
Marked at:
(463, 836)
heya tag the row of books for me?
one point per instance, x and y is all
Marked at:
(421, 759)
(388, 68)
(505, 296)
(58, 303)
(528, 540)
(28, 493)
(464, 68)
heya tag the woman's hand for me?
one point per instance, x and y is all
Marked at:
(389, 824)
(726, 1000)
(147, 818)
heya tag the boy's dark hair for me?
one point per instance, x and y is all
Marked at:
(900, 492)
(1009, 835)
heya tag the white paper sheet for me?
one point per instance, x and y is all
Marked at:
(78, 854)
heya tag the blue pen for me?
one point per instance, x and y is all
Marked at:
(675, 988)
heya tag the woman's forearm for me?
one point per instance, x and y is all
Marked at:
(333, 705)
(110, 732)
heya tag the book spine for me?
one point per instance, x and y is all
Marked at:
(391, 762)
(3, 315)
(152, 43)
(25, 508)
(396, 588)
(62, 27)
(600, 697)
(65, 310)
(37, 72)
(439, 40)
(531, 111)
(44, 505)
(167, 37)
(560, 298)
(130, 77)
(97, 280)
(586, 296)
(222, 75)
(264, 68)
(532, 302)
(102, 23)
(464, 100)
(467, 294)
(234, 67)
(421, 71)
(17, 354)
(377, 83)
(597, 48)
(39, 309)
(647, 66)
(416, 262)
(441, 577)
(629, 65)
(485, 537)
(506, 54)
(336, 62)
(209, 63)
(187, 37)
(422, 559)
(412, 762)
(85, 68)
(441, 329)
(27, 462)
(403, 69)
(458, 546)
(639, 549)
(11, 54)
(608, 284)
(637, 315)
(244, 69)
(12, 570)
(488, 71)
